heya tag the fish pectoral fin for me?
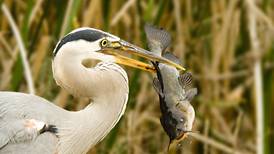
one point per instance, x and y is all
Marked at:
(185, 80)
(191, 93)
(157, 86)
(157, 37)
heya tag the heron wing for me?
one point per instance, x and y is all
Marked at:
(15, 108)
(45, 143)
(20, 106)
(16, 131)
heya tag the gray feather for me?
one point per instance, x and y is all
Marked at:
(72, 135)
(16, 132)
(14, 109)
(4, 139)
(45, 143)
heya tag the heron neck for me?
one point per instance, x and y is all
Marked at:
(106, 84)
(97, 120)
(93, 123)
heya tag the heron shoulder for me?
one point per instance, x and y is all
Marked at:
(21, 105)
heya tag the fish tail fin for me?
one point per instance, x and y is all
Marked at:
(157, 37)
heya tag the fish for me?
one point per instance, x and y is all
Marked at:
(173, 87)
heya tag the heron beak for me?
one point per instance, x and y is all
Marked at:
(118, 48)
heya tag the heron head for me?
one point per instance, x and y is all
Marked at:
(79, 55)
(94, 44)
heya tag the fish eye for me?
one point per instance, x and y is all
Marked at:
(104, 42)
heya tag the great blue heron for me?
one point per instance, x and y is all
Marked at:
(30, 124)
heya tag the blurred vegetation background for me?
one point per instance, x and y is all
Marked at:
(228, 45)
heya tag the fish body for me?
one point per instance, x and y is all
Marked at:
(177, 113)
(172, 87)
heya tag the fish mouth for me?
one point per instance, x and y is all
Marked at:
(182, 136)
(173, 143)
(121, 47)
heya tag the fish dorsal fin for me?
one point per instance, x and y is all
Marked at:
(185, 80)
(158, 38)
(172, 57)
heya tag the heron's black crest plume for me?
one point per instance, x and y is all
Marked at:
(85, 34)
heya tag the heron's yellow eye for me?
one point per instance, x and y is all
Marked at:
(104, 43)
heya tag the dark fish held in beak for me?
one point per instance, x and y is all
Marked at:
(174, 89)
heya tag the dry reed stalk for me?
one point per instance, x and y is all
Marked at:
(224, 76)
(255, 47)
(66, 18)
(130, 134)
(23, 52)
(206, 131)
(215, 144)
(237, 129)
(221, 136)
(39, 56)
(98, 19)
(90, 12)
(62, 98)
(262, 16)
(6, 45)
(7, 69)
(222, 123)
(227, 58)
(179, 43)
(189, 12)
(220, 44)
(121, 12)
(35, 11)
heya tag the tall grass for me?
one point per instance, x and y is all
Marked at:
(212, 38)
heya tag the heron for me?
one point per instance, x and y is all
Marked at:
(86, 64)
